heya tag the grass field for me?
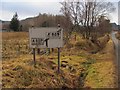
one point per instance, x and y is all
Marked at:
(79, 67)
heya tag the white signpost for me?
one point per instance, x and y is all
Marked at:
(46, 38)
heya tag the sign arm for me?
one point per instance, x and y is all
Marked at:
(46, 40)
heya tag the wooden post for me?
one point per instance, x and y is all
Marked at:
(58, 60)
(38, 51)
(34, 57)
(52, 49)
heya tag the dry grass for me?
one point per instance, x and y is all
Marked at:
(19, 71)
(103, 73)
(118, 35)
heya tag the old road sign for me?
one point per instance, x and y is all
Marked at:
(46, 37)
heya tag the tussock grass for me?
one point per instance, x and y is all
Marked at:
(19, 71)
(103, 73)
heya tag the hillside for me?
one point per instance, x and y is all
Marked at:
(80, 67)
(42, 20)
(115, 26)
(45, 20)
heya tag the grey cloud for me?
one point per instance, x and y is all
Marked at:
(28, 9)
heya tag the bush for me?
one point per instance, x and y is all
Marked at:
(81, 44)
(69, 45)
(118, 35)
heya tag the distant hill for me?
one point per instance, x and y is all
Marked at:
(0, 24)
(5, 25)
(115, 26)
(119, 27)
(5, 22)
(0, 20)
(42, 20)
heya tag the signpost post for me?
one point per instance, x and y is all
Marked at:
(34, 56)
(58, 60)
(46, 38)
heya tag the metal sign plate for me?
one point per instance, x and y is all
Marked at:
(46, 37)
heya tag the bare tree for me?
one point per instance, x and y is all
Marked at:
(86, 13)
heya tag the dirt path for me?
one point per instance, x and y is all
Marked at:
(117, 49)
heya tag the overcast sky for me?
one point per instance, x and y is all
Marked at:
(31, 8)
